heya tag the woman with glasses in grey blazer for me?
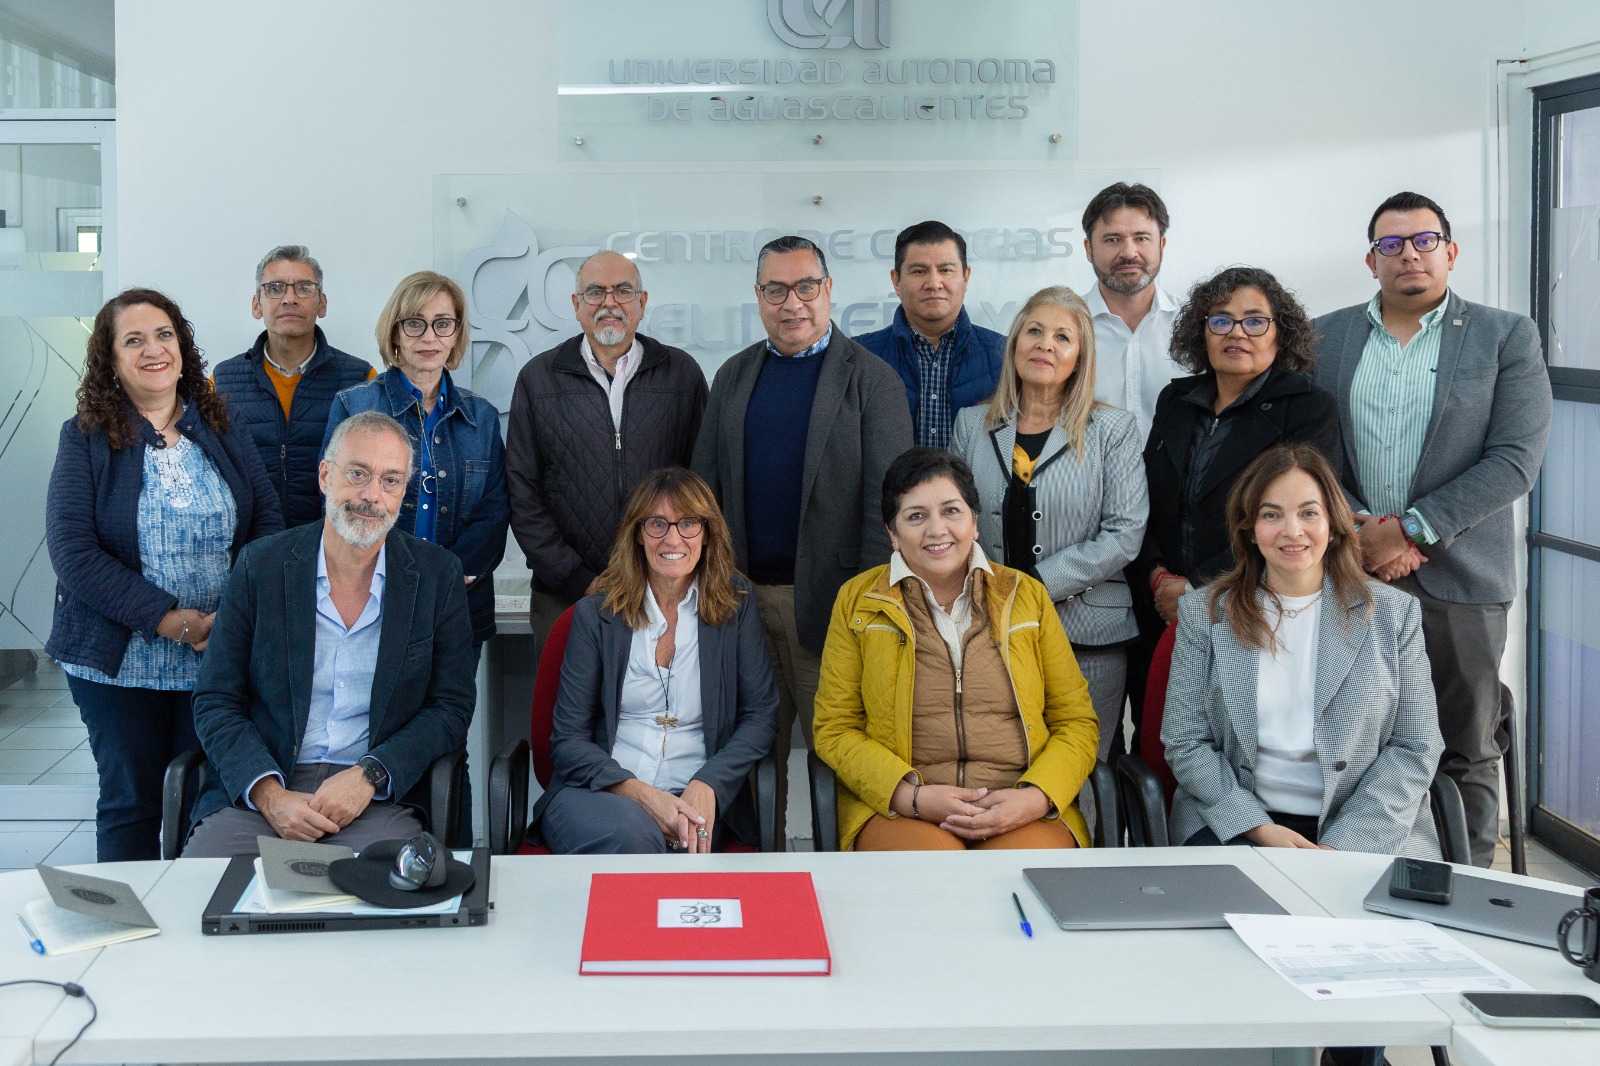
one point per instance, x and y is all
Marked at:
(1061, 482)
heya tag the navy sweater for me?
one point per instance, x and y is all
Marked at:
(776, 424)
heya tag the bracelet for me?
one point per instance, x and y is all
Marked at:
(183, 638)
(916, 788)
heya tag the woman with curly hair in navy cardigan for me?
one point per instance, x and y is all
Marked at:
(151, 498)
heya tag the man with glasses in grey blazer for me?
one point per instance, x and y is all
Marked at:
(799, 431)
(1445, 409)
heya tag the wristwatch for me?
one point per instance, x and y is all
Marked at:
(376, 775)
(1411, 526)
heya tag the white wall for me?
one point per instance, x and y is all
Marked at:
(1276, 128)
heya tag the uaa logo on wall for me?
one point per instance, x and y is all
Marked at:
(795, 27)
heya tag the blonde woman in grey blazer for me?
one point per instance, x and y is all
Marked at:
(1300, 712)
(1061, 481)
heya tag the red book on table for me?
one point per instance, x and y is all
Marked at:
(704, 923)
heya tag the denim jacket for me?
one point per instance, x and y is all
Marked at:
(469, 459)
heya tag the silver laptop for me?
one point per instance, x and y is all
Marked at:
(1482, 905)
(1148, 897)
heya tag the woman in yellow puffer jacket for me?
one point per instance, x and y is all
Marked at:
(950, 705)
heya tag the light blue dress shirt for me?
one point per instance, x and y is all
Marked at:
(344, 664)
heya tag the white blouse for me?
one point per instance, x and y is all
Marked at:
(1288, 776)
(660, 727)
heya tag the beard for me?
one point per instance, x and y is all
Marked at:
(610, 331)
(1111, 281)
(360, 526)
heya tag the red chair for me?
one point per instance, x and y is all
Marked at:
(1151, 749)
(1145, 782)
(508, 776)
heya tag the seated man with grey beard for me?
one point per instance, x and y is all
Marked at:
(340, 666)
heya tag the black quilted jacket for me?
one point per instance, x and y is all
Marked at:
(570, 473)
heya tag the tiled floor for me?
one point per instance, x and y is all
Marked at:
(42, 740)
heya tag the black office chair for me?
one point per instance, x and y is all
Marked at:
(1108, 828)
(1449, 819)
(1143, 801)
(446, 785)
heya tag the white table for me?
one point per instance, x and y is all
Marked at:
(928, 961)
(1340, 886)
(24, 1009)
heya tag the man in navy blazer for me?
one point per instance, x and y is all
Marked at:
(340, 666)
(1445, 410)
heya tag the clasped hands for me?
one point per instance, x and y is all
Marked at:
(970, 813)
(686, 821)
(1385, 551)
(198, 632)
(310, 817)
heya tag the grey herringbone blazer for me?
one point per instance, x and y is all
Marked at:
(1377, 729)
(1485, 442)
(1092, 514)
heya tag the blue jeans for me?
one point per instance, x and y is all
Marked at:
(134, 733)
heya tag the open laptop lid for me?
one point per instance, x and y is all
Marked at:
(220, 918)
(1482, 905)
(1148, 897)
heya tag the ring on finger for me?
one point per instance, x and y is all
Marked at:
(702, 832)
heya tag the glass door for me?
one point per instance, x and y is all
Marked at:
(56, 227)
(1564, 538)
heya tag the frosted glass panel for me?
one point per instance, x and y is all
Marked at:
(1570, 673)
(514, 243)
(49, 293)
(61, 56)
(1568, 503)
(817, 80)
(1575, 243)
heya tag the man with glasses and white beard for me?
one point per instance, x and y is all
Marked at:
(281, 389)
(800, 430)
(340, 666)
(588, 419)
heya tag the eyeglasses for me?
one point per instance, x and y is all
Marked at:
(358, 476)
(776, 292)
(688, 528)
(595, 295)
(1426, 241)
(1253, 325)
(442, 326)
(275, 290)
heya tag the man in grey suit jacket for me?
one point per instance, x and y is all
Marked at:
(1445, 409)
(795, 441)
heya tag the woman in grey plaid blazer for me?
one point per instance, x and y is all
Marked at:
(1061, 481)
(1300, 712)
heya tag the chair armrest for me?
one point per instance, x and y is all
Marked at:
(1144, 800)
(1449, 818)
(764, 791)
(508, 798)
(446, 782)
(174, 785)
(1109, 821)
(824, 804)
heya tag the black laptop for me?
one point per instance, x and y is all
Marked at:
(221, 918)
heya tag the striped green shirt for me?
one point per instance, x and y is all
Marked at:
(1391, 401)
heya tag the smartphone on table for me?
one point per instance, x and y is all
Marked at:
(1559, 1010)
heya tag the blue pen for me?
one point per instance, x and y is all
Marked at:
(33, 938)
(1023, 915)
